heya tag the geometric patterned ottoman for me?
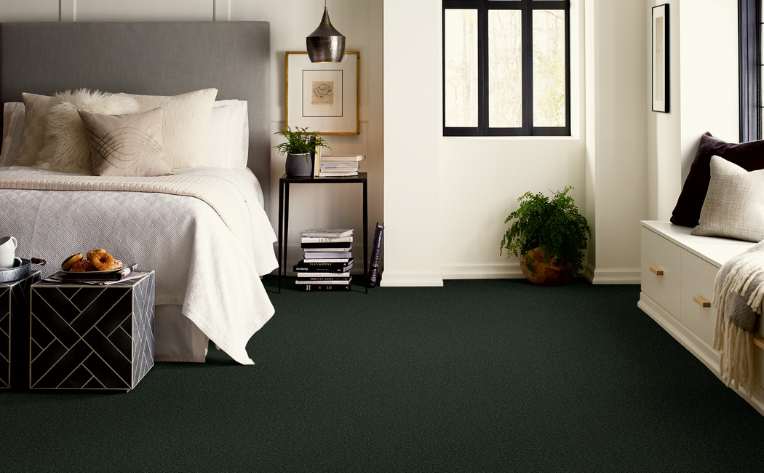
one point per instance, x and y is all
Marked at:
(92, 338)
(14, 332)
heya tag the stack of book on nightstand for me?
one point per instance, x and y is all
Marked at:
(340, 166)
(327, 260)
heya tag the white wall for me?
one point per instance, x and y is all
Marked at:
(617, 134)
(704, 91)
(413, 211)
(291, 21)
(479, 179)
(446, 198)
(664, 129)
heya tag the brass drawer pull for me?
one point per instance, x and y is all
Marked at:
(658, 271)
(702, 301)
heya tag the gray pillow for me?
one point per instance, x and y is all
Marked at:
(734, 205)
(126, 145)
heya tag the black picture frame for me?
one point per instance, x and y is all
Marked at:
(661, 58)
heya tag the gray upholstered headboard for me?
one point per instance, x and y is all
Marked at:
(146, 58)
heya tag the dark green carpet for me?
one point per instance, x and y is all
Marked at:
(480, 376)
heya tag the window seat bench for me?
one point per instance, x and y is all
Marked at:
(678, 272)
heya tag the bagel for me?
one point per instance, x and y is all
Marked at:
(70, 261)
(81, 266)
(102, 260)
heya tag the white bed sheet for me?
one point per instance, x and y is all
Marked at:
(209, 267)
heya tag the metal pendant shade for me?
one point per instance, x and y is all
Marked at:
(326, 44)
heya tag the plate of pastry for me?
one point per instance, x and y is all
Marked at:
(95, 261)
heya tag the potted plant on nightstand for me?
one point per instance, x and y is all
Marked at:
(549, 235)
(299, 147)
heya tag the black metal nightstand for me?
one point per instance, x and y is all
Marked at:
(283, 245)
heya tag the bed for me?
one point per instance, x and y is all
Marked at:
(204, 231)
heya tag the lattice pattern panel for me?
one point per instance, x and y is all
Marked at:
(14, 339)
(92, 338)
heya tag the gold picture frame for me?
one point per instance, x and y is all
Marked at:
(330, 115)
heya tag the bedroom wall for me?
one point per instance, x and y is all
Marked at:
(616, 135)
(704, 74)
(481, 179)
(476, 181)
(291, 21)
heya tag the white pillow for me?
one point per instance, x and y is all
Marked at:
(229, 134)
(186, 125)
(65, 147)
(734, 205)
(13, 133)
(36, 111)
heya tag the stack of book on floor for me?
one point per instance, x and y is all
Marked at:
(327, 260)
(339, 166)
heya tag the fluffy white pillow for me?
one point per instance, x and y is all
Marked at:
(229, 134)
(186, 125)
(13, 133)
(36, 110)
(65, 145)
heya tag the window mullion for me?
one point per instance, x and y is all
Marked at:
(527, 45)
(483, 67)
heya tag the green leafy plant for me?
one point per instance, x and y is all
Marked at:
(300, 141)
(553, 224)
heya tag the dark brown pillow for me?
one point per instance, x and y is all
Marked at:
(749, 156)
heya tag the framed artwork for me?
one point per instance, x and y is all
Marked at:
(661, 59)
(322, 97)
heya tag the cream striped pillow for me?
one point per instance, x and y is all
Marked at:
(126, 145)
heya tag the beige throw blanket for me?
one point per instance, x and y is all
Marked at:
(739, 296)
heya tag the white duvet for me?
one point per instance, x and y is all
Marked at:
(203, 231)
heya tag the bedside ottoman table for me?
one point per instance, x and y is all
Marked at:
(92, 338)
(14, 332)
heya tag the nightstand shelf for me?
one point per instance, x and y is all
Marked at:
(284, 184)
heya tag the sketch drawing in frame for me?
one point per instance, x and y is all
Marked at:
(322, 97)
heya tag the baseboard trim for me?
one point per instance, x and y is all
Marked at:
(615, 276)
(483, 271)
(406, 279)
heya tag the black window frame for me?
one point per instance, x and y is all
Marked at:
(750, 69)
(527, 7)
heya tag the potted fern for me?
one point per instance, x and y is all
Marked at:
(549, 236)
(299, 147)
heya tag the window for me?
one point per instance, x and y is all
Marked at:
(506, 67)
(751, 24)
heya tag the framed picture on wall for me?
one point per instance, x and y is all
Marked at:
(661, 59)
(322, 96)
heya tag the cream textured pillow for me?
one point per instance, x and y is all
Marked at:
(186, 125)
(36, 110)
(13, 133)
(65, 147)
(126, 145)
(734, 205)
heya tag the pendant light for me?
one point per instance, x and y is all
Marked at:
(326, 44)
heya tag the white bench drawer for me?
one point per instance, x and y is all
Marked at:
(698, 311)
(661, 271)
